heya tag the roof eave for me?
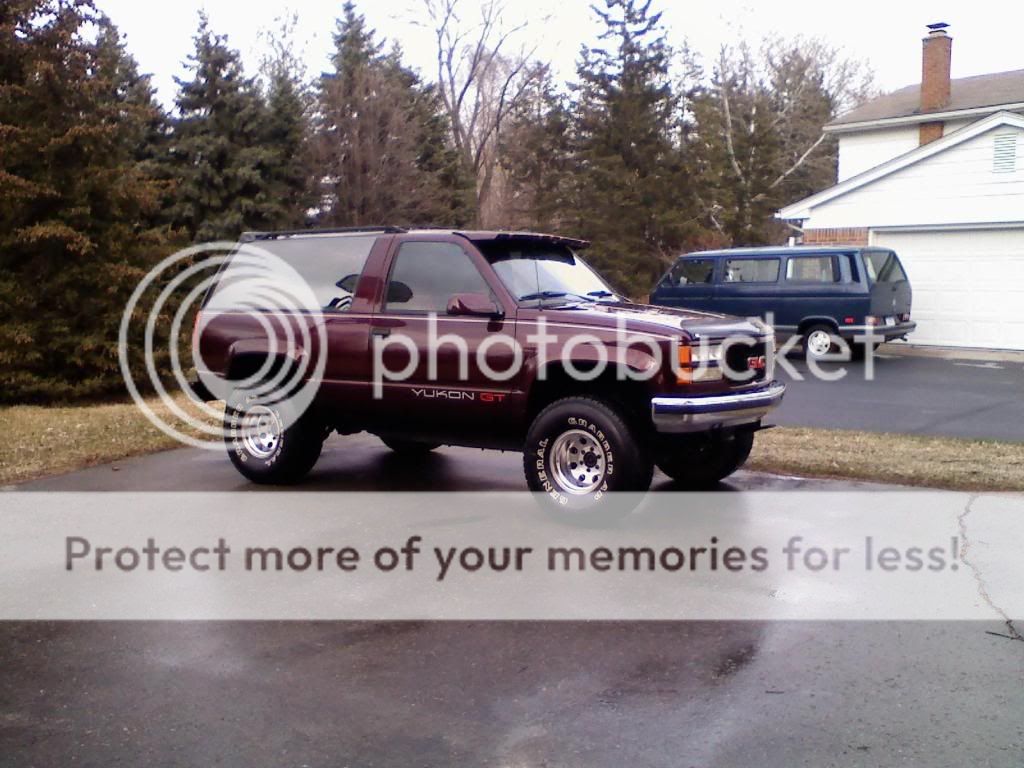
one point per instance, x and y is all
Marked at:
(928, 117)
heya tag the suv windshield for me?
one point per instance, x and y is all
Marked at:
(883, 267)
(538, 272)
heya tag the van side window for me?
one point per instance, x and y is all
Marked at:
(692, 271)
(751, 271)
(811, 269)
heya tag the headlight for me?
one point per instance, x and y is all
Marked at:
(699, 363)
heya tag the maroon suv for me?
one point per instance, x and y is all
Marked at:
(503, 340)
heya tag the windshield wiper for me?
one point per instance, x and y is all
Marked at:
(542, 295)
(603, 294)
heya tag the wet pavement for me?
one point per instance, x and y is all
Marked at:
(496, 693)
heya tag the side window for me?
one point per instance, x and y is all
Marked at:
(692, 272)
(329, 266)
(426, 275)
(811, 269)
(751, 271)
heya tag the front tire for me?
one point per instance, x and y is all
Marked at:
(579, 451)
(269, 443)
(702, 463)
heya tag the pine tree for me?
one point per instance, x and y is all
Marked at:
(218, 156)
(77, 199)
(535, 159)
(382, 143)
(632, 194)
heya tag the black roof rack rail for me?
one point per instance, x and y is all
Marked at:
(248, 237)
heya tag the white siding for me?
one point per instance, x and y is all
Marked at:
(860, 151)
(956, 186)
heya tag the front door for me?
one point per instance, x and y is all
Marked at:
(430, 375)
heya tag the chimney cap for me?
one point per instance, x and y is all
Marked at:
(938, 28)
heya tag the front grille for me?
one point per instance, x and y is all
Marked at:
(742, 358)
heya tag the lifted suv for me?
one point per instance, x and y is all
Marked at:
(500, 340)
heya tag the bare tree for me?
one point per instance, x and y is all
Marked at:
(762, 118)
(481, 77)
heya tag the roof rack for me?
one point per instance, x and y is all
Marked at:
(248, 237)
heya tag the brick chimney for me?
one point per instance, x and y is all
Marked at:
(936, 54)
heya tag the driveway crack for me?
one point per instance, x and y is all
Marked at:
(965, 545)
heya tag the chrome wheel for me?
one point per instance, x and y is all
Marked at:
(261, 431)
(577, 462)
(819, 342)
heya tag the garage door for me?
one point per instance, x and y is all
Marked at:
(968, 285)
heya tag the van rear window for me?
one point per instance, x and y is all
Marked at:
(883, 267)
(752, 270)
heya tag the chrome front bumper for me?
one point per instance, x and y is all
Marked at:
(701, 413)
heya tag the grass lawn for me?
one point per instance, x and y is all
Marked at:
(43, 441)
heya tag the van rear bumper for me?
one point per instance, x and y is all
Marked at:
(881, 331)
(703, 412)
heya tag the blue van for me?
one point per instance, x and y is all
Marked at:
(821, 294)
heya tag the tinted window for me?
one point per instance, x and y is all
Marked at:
(692, 272)
(426, 275)
(811, 269)
(327, 265)
(883, 267)
(751, 270)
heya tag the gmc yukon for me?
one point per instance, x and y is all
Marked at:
(503, 340)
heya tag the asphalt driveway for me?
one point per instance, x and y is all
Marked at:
(911, 395)
(495, 693)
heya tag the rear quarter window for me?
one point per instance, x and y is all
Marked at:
(812, 269)
(327, 265)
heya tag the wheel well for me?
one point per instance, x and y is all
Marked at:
(630, 395)
(248, 363)
(811, 322)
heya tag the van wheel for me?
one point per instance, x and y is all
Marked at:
(270, 443)
(580, 452)
(408, 447)
(701, 463)
(819, 340)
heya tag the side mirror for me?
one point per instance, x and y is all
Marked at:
(473, 305)
(398, 293)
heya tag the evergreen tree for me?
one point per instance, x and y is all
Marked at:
(632, 195)
(77, 200)
(218, 156)
(535, 156)
(382, 143)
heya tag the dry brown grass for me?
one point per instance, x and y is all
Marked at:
(43, 441)
(933, 462)
(49, 440)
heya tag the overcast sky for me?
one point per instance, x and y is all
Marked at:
(987, 34)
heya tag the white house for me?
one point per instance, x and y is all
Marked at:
(936, 172)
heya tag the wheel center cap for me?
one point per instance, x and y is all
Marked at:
(589, 459)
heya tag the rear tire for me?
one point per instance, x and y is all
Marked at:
(819, 341)
(703, 463)
(580, 453)
(270, 443)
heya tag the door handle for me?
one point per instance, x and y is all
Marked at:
(381, 332)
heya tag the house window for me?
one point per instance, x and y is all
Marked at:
(1004, 156)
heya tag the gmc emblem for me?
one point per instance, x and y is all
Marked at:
(758, 363)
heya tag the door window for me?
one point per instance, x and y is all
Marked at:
(692, 272)
(752, 270)
(811, 269)
(426, 275)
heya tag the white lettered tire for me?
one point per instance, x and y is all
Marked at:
(581, 453)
